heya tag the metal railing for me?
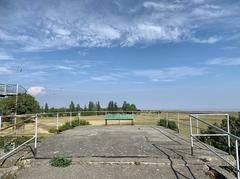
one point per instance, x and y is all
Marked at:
(12, 131)
(221, 133)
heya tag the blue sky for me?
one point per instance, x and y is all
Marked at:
(179, 54)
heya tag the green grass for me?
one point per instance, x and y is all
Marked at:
(60, 161)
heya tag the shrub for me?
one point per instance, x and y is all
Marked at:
(168, 124)
(60, 161)
(52, 130)
(162, 122)
(73, 124)
(172, 125)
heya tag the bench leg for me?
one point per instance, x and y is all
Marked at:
(132, 122)
(105, 122)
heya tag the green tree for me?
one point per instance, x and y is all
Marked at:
(27, 104)
(98, 106)
(46, 108)
(91, 106)
(112, 106)
(72, 106)
(78, 108)
(85, 108)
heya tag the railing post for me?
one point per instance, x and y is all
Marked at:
(237, 158)
(197, 124)
(70, 118)
(191, 137)
(178, 122)
(57, 120)
(229, 139)
(36, 136)
(166, 119)
(79, 114)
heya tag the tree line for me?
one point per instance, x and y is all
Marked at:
(27, 104)
(92, 106)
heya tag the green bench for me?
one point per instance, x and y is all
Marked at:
(111, 117)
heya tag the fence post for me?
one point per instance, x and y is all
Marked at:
(36, 136)
(178, 122)
(229, 139)
(79, 114)
(166, 119)
(197, 125)
(237, 158)
(70, 118)
(57, 120)
(191, 137)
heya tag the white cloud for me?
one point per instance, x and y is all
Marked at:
(5, 71)
(224, 61)
(210, 40)
(5, 56)
(103, 78)
(161, 6)
(170, 74)
(149, 32)
(36, 90)
(62, 67)
(42, 27)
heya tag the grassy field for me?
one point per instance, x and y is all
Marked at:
(45, 123)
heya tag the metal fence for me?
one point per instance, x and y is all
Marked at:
(41, 125)
(223, 133)
(18, 131)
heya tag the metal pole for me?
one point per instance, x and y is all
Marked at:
(178, 122)
(79, 114)
(229, 139)
(36, 136)
(57, 120)
(197, 124)
(191, 137)
(70, 118)
(237, 159)
(16, 99)
(167, 119)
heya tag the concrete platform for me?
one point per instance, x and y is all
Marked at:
(121, 152)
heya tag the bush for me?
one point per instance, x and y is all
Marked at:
(162, 122)
(172, 125)
(52, 130)
(74, 123)
(60, 161)
(168, 124)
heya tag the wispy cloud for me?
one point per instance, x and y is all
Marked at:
(5, 71)
(224, 61)
(103, 78)
(62, 67)
(210, 40)
(5, 56)
(43, 26)
(171, 74)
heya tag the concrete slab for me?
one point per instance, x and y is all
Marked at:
(121, 152)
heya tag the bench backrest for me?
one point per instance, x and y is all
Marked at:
(119, 117)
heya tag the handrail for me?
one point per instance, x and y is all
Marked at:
(224, 133)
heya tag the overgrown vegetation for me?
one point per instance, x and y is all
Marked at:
(219, 141)
(60, 161)
(68, 125)
(168, 124)
(17, 140)
(27, 104)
